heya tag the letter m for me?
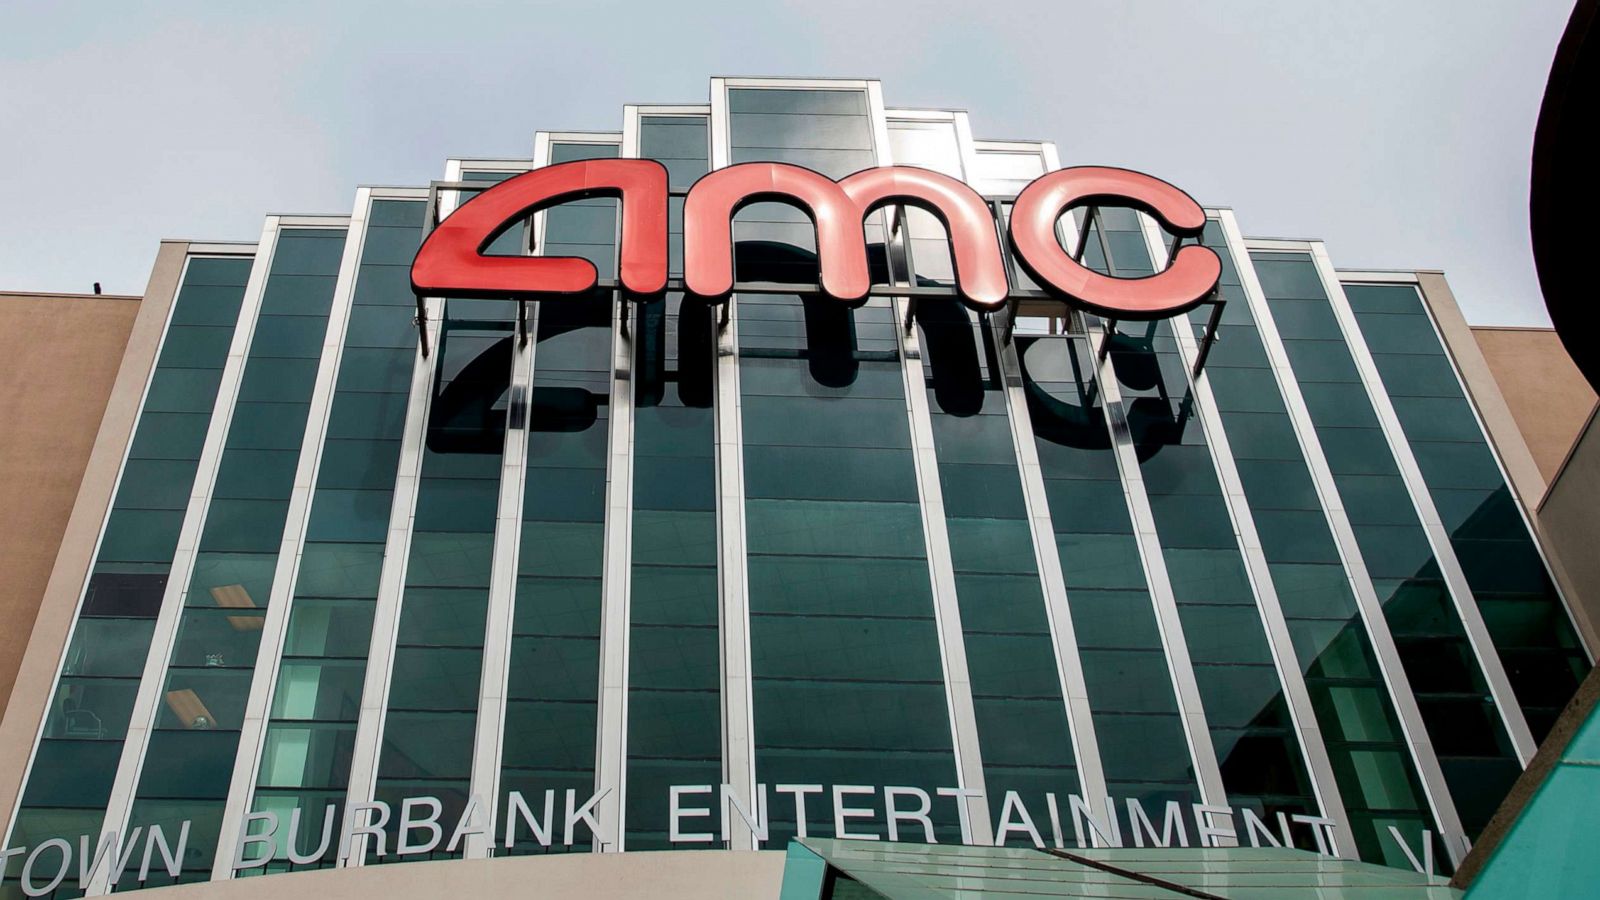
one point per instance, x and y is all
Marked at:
(838, 210)
(451, 261)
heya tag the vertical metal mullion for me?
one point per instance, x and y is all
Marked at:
(274, 629)
(959, 705)
(1196, 730)
(488, 751)
(1382, 640)
(941, 571)
(611, 770)
(733, 579)
(1290, 676)
(1053, 581)
(1058, 610)
(1461, 595)
(141, 722)
(391, 582)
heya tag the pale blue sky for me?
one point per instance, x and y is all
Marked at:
(1397, 130)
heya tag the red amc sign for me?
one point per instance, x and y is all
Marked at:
(451, 262)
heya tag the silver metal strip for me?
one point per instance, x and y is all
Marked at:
(1208, 773)
(936, 539)
(1383, 646)
(1063, 634)
(141, 722)
(624, 390)
(611, 754)
(733, 573)
(1379, 276)
(391, 581)
(615, 616)
(220, 248)
(1196, 731)
(493, 688)
(1058, 609)
(942, 575)
(1438, 538)
(274, 629)
(1301, 712)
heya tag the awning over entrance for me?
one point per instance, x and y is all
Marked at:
(819, 869)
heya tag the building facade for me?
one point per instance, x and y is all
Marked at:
(356, 578)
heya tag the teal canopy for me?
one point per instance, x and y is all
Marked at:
(819, 869)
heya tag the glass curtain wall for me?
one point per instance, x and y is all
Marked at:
(1371, 763)
(1143, 747)
(1512, 587)
(190, 756)
(87, 720)
(675, 665)
(1393, 545)
(1509, 582)
(554, 679)
(1023, 729)
(305, 760)
(847, 677)
(428, 734)
(1252, 731)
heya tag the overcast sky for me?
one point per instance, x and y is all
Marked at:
(1397, 130)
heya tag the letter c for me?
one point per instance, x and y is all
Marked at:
(1190, 276)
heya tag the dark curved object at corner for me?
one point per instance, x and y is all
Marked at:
(1565, 189)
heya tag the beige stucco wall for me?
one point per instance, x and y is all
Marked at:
(59, 355)
(1547, 394)
(1569, 517)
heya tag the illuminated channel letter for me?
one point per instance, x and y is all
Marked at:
(714, 200)
(451, 261)
(974, 245)
(838, 210)
(1190, 277)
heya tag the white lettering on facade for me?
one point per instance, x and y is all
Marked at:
(171, 858)
(1424, 865)
(584, 813)
(408, 824)
(799, 791)
(471, 822)
(292, 839)
(1207, 829)
(677, 812)
(907, 811)
(1171, 823)
(842, 812)
(373, 829)
(1012, 806)
(757, 823)
(894, 815)
(1107, 833)
(1321, 831)
(517, 808)
(267, 837)
(33, 890)
(963, 817)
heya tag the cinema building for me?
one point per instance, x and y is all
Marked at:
(401, 586)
